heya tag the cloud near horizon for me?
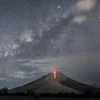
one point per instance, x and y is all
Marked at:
(83, 67)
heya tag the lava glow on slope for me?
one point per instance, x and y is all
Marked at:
(55, 69)
(54, 73)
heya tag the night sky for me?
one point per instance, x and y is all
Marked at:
(39, 35)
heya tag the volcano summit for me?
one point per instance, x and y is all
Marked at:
(53, 83)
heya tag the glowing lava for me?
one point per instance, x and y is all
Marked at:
(54, 73)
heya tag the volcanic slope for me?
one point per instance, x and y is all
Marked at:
(50, 84)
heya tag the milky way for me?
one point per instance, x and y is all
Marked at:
(36, 34)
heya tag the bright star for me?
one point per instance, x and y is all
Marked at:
(59, 7)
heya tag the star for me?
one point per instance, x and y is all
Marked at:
(6, 53)
(59, 7)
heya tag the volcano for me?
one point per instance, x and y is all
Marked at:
(53, 83)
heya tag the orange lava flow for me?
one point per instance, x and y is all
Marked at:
(54, 73)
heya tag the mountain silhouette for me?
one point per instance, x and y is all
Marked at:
(51, 84)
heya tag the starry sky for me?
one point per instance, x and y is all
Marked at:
(39, 35)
